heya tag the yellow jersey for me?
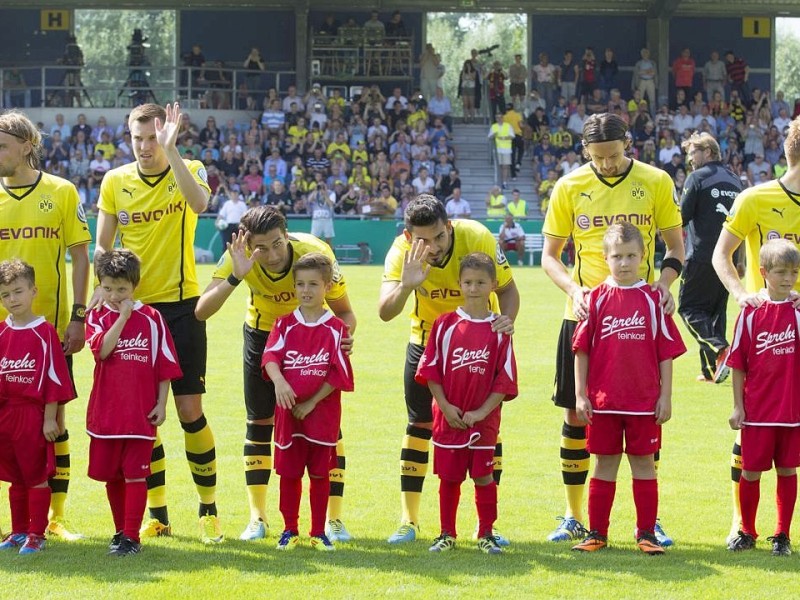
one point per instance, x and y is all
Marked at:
(583, 204)
(440, 292)
(155, 221)
(272, 295)
(759, 214)
(38, 223)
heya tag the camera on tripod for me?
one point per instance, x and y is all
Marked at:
(136, 48)
(73, 55)
(488, 51)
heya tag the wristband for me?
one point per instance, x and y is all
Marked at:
(672, 263)
(233, 280)
(78, 313)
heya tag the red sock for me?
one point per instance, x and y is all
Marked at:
(449, 495)
(115, 490)
(318, 494)
(291, 492)
(601, 499)
(749, 495)
(38, 507)
(486, 503)
(645, 497)
(785, 499)
(135, 503)
(18, 500)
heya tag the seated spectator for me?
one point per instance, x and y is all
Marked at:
(439, 107)
(640, 138)
(495, 203)
(102, 127)
(595, 103)
(576, 121)
(81, 126)
(401, 145)
(773, 152)
(318, 162)
(80, 142)
(674, 165)
(120, 159)
(384, 205)
(78, 165)
(292, 98)
(61, 126)
(705, 116)
(186, 146)
(397, 96)
(756, 168)
(97, 169)
(186, 127)
(317, 116)
(443, 167)
(457, 207)
(57, 150)
(546, 189)
(210, 132)
(348, 203)
(512, 237)
(338, 145)
(423, 162)
(669, 150)
(445, 185)
(683, 121)
(648, 153)
(278, 197)
(253, 181)
(517, 207)
(422, 183)
(273, 119)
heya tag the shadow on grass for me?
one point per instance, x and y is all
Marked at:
(164, 557)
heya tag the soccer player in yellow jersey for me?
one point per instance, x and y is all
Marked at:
(41, 220)
(759, 214)
(423, 262)
(153, 203)
(262, 255)
(611, 187)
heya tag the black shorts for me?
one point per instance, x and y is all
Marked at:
(71, 375)
(418, 397)
(564, 391)
(189, 336)
(259, 394)
(517, 89)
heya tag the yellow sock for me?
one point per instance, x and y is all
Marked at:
(413, 468)
(59, 483)
(497, 461)
(258, 467)
(202, 457)
(574, 468)
(336, 479)
(736, 473)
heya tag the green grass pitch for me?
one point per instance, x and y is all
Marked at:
(694, 481)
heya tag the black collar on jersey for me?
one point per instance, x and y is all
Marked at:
(152, 180)
(622, 177)
(793, 196)
(28, 188)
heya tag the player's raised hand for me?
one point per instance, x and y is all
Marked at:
(237, 248)
(415, 267)
(284, 395)
(167, 132)
(74, 337)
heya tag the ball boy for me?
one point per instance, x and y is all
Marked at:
(34, 379)
(470, 371)
(135, 360)
(766, 402)
(305, 360)
(623, 381)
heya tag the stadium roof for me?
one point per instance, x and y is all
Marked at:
(651, 8)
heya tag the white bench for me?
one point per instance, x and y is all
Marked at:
(534, 244)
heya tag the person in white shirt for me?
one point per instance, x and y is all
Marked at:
(683, 120)
(397, 96)
(457, 207)
(229, 216)
(422, 183)
(512, 237)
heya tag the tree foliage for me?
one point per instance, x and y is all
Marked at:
(453, 35)
(787, 63)
(105, 35)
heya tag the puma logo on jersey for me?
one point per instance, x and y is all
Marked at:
(127, 191)
(585, 195)
(721, 209)
(779, 211)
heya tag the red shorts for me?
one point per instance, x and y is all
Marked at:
(761, 446)
(26, 458)
(640, 433)
(112, 459)
(512, 244)
(293, 461)
(453, 464)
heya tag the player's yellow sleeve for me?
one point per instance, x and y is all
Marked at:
(106, 201)
(198, 171)
(743, 216)
(559, 220)
(667, 211)
(76, 232)
(224, 267)
(393, 264)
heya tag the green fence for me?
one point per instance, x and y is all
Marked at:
(349, 232)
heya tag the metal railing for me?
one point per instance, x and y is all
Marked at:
(210, 86)
(361, 52)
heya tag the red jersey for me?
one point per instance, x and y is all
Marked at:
(627, 335)
(309, 354)
(470, 361)
(32, 365)
(126, 382)
(765, 347)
